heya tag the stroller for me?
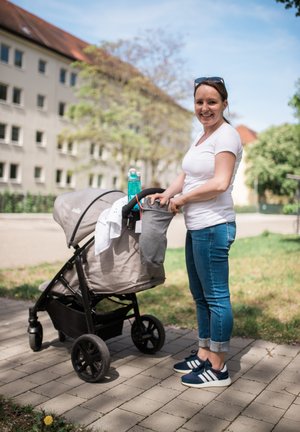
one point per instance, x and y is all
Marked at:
(91, 295)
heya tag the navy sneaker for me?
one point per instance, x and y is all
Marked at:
(206, 376)
(189, 363)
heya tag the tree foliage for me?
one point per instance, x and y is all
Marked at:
(157, 54)
(123, 111)
(291, 3)
(274, 154)
(295, 100)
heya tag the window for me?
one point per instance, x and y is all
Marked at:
(3, 92)
(39, 138)
(38, 174)
(91, 180)
(15, 134)
(73, 79)
(59, 175)
(2, 171)
(115, 180)
(60, 146)
(70, 147)
(99, 180)
(18, 58)
(42, 66)
(3, 128)
(61, 108)
(92, 149)
(100, 151)
(14, 172)
(62, 75)
(41, 101)
(4, 53)
(69, 178)
(17, 96)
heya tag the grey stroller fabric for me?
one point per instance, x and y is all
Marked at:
(153, 239)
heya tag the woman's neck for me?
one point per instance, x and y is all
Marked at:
(211, 129)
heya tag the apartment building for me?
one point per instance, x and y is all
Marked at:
(37, 84)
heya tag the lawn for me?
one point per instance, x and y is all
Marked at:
(264, 280)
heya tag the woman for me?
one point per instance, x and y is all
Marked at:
(203, 191)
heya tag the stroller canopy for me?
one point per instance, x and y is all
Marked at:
(77, 212)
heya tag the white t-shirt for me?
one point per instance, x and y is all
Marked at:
(198, 165)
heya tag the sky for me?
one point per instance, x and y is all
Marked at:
(253, 44)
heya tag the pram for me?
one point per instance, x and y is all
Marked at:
(91, 296)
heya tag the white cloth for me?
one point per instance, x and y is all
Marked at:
(199, 165)
(109, 225)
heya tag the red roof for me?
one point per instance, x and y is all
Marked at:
(247, 135)
(22, 23)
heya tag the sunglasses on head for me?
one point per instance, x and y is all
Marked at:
(213, 79)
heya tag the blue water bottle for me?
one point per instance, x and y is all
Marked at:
(134, 185)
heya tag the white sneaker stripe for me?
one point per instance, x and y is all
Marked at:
(208, 376)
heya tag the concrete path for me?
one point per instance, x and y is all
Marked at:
(142, 393)
(30, 239)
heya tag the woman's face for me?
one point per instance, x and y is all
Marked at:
(209, 106)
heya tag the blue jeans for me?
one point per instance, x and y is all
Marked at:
(208, 271)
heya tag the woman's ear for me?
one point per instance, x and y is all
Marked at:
(225, 104)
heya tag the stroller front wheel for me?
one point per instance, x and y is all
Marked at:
(35, 336)
(90, 358)
(149, 336)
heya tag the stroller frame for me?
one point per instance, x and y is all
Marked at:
(75, 315)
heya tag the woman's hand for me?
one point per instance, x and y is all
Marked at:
(176, 204)
(161, 197)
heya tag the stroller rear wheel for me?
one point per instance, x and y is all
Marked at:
(149, 337)
(90, 358)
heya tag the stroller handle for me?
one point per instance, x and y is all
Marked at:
(128, 207)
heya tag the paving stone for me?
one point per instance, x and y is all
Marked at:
(181, 408)
(158, 372)
(52, 389)
(102, 403)
(118, 420)
(161, 421)
(264, 412)
(13, 375)
(142, 406)
(248, 386)
(222, 410)
(275, 399)
(17, 387)
(248, 424)
(198, 396)
(278, 385)
(293, 413)
(42, 377)
(286, 425)
(87, 390)
(161, 394)
(142, 381)
(61, 404)
(82, 416)
(235, 397)
(30, 398)
(205, 423)
(173, 382)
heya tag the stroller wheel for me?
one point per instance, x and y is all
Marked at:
(150, 336)
(90, 358)
(36, 336)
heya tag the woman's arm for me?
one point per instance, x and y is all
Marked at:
(219, 183)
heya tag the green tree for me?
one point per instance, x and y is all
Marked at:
(123, 111)
(274, 154)
(291, 3)
(295, 101)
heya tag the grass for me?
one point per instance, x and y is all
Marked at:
(264, 281)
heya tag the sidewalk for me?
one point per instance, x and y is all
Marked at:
(142, 393)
